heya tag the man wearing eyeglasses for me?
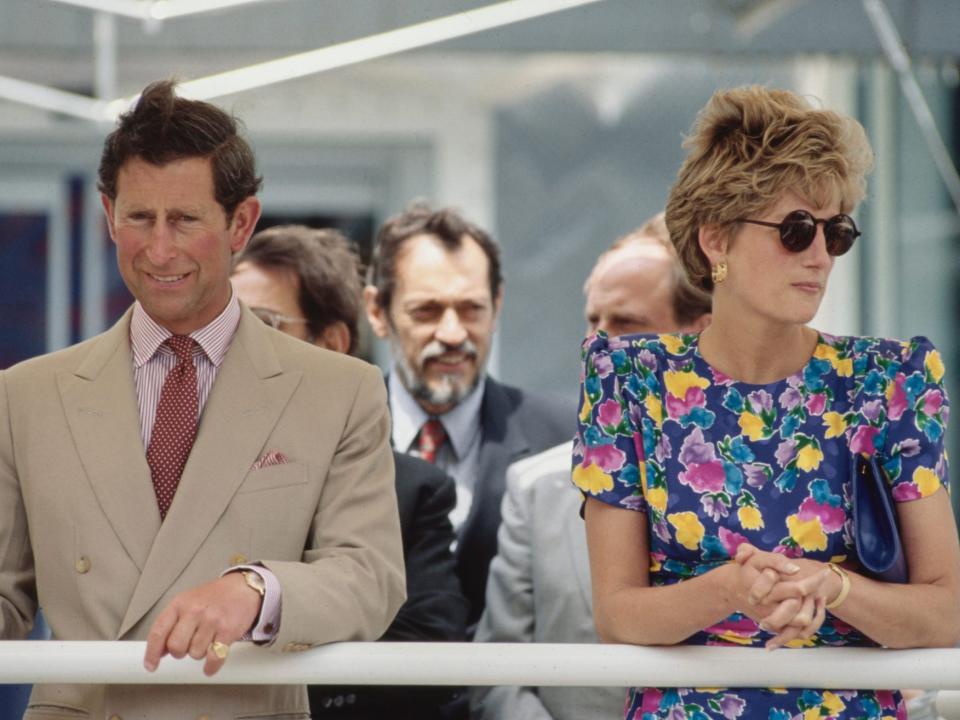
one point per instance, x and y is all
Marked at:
(177, 480)
(307, 283)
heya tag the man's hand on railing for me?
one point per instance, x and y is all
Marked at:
(203, 623)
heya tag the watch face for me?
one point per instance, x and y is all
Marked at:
(255, 581)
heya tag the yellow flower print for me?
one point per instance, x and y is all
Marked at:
(657, 498)
(592, 479)
(826, 352)
(689, 529)
(672, 343)
(801, 643)
(926, 481)
(678, 382)
(750, 518)
(843, 366)
(834, 423)
(654, 409)
(751, 425)
(809, 458)
(586, 409)
(655, 565)
(808, 534)
(731, 637)
(934, 365)
(811, 713)
(833, 704)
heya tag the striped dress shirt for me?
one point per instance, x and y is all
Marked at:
(152, 360)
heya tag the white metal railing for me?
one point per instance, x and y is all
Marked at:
(386, 663)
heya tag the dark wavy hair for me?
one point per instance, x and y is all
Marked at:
(163, 127)
(447, 225)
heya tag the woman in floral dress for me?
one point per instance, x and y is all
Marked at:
(717, 467)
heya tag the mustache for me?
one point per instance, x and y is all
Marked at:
(436, 349)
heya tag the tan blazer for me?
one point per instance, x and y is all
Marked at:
(80, 529)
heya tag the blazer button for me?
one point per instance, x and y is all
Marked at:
(351, 699)
(238, 559)
(83, 566)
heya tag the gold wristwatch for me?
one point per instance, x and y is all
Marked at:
(255, 580)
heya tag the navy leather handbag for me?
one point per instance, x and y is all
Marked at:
(875, 531)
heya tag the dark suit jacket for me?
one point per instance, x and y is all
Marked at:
(516, 423)
(435, 609)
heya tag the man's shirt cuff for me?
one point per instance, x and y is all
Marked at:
(268, 621)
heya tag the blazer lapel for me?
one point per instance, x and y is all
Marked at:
(100, 403)
(247, 399)
(503, 442)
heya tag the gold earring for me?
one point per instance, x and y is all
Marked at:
(718, 272)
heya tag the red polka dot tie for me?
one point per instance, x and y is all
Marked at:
(175, 426)
(431, 439)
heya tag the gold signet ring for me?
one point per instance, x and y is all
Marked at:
(221, 650)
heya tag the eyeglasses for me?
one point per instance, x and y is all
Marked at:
(799, 228)
(275, 319)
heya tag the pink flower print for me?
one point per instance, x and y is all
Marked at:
(871, 410)
(932, 402)
(704, 477)
(651, 700)
(607, 457)
(816, 403)
(898, 399)
(731, 540)
(610, 414)
(862, 440)
(617, 343)
(720, 379)
(885, 698)
(790, 552)
(906, 491)
(677, 408)
(695, 450)
(744, 627)
(790, 398)
(831, 518)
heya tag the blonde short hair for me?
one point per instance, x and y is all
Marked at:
(747, 147)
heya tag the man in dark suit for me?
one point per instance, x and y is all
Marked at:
(307, 283)
(434, 292)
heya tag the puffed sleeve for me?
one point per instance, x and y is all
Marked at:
(917, 411)
(616, 400)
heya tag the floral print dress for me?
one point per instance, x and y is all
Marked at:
(715, 462)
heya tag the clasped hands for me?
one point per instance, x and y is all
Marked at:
(785, 596)
(203, 622)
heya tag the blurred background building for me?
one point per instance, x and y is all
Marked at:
(559, 133)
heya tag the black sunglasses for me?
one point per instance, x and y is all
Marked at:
(799, 228)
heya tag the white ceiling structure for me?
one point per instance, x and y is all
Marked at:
(288, 39)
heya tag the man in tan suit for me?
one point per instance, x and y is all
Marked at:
(277, 523)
